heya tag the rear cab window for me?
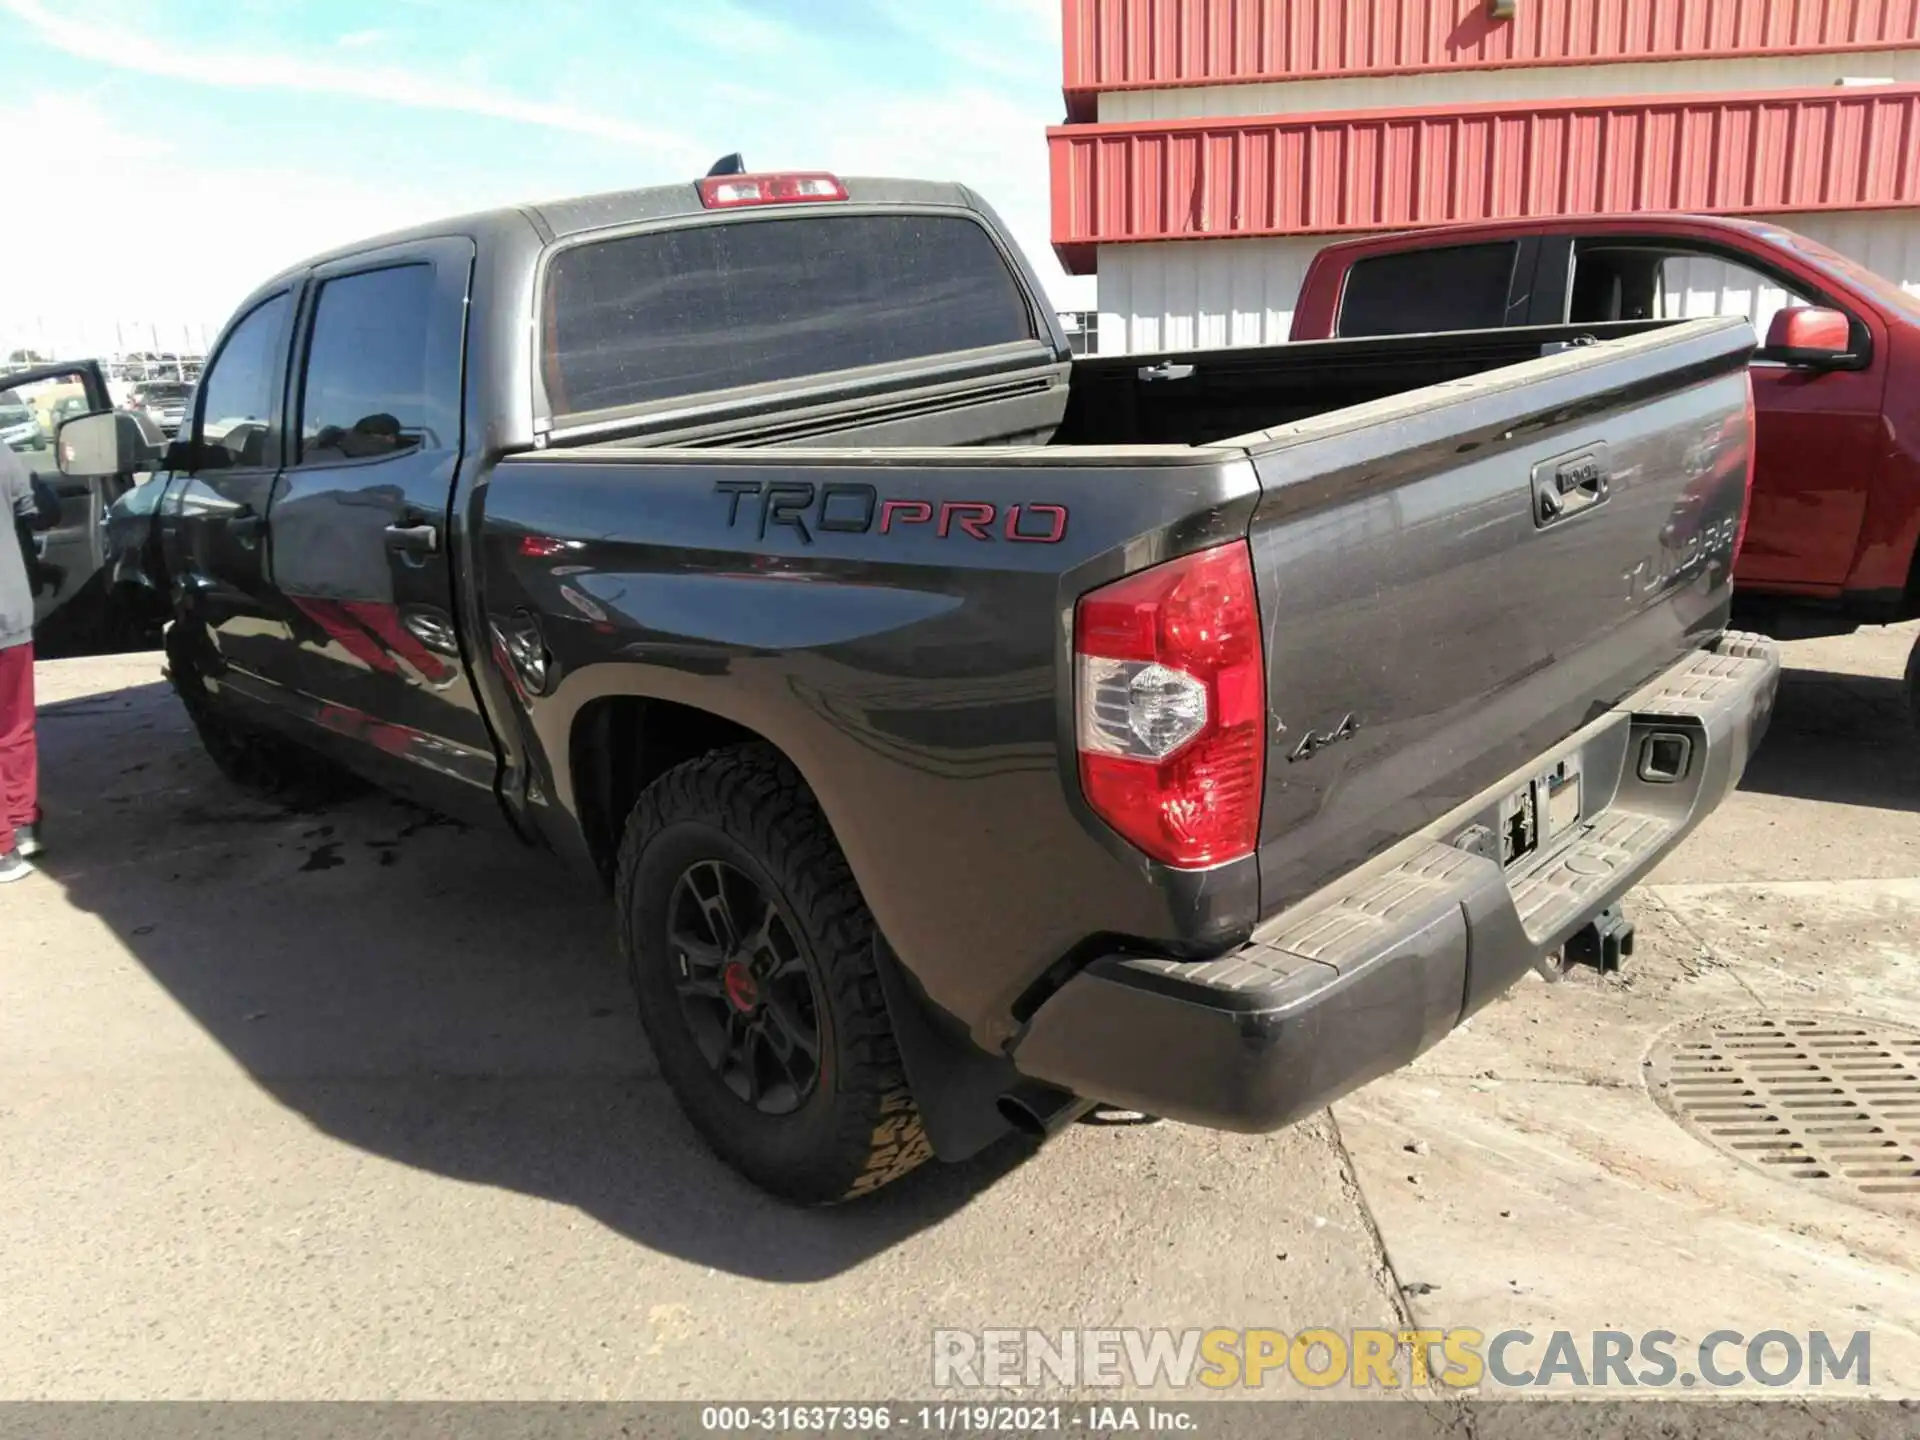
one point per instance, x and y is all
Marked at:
(1459, 287)
(640, 320)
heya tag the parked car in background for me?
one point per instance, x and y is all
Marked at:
(65, 409)
(164, 401)
(1832, 538)
(969, 732)
(20, 426)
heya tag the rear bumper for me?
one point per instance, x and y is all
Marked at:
(1359, 979)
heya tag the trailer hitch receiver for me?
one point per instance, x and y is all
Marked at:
(1605, 943)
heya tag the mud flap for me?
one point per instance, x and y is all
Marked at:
(956, 1084)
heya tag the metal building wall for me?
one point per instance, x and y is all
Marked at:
(1200, 297)
(1190, 296)
(1444, 90)
(1120, 44)
(1363, 170)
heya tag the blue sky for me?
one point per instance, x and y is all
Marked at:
(183, 149)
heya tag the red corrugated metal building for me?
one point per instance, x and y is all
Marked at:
(1211, 146)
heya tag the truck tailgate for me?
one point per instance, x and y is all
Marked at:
(1454, 579)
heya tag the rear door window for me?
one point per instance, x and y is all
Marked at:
(1460, 287)
(645, 318)
(368, 391)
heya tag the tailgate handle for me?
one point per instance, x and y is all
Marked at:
(1568, 486)
(1166, 370)
(413, 539)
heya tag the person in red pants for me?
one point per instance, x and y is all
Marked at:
(27, 508)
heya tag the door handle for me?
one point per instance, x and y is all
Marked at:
(413, 539)
(245, 527)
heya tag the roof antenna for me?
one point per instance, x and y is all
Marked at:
(729, 165)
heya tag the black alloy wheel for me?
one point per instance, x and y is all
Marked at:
(744, 987)
(755, 965)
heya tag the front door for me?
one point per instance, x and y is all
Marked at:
(1820, 441)
(1819, 448)
(359, 522)
(213, 512)
(70, 602)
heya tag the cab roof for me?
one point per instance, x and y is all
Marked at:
(546, 221)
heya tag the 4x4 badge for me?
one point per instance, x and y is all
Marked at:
(1315, 741)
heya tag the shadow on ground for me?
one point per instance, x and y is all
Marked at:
(1846, 739)
(434, 995)
(445, 999)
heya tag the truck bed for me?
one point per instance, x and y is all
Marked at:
(1174, 398)
(1424, 632)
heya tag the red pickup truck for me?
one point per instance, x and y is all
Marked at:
(1830, 540)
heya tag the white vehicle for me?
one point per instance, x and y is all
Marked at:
(20, 427)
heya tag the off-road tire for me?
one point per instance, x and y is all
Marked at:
(747, 806)
(252, 758)
(1913, 684)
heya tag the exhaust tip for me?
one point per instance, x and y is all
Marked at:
(1040, 1111)
(1017, 1113)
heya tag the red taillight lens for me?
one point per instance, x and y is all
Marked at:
(724, 192)
(1170, 701)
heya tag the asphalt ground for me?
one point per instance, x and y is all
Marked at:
(354, 1105)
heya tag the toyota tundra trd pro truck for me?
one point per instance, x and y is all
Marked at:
(968, 733)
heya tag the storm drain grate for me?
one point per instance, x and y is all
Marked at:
(1830, 1100)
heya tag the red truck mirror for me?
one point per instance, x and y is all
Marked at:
(1810, 336)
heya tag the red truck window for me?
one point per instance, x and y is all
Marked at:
(1645, 280)
(1461, 287)
(643, 318)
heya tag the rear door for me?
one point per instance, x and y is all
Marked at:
(359, 522)
(1456, 578)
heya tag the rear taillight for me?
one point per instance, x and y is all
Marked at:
(725, 192)
(1170, 701)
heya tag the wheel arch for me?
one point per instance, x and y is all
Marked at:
(618, 745)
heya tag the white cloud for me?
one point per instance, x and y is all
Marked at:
(133, 232)
(154, 231)
(976, 43)
(111, 45)
(728, 27)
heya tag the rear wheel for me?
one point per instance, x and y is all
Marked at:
(751, 953)
(254, 759)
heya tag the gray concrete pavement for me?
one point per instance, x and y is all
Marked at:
(353, 1105)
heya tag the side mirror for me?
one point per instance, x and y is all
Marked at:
(111, 442)
(1810, 337)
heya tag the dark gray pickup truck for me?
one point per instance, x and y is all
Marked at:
(968, 733)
